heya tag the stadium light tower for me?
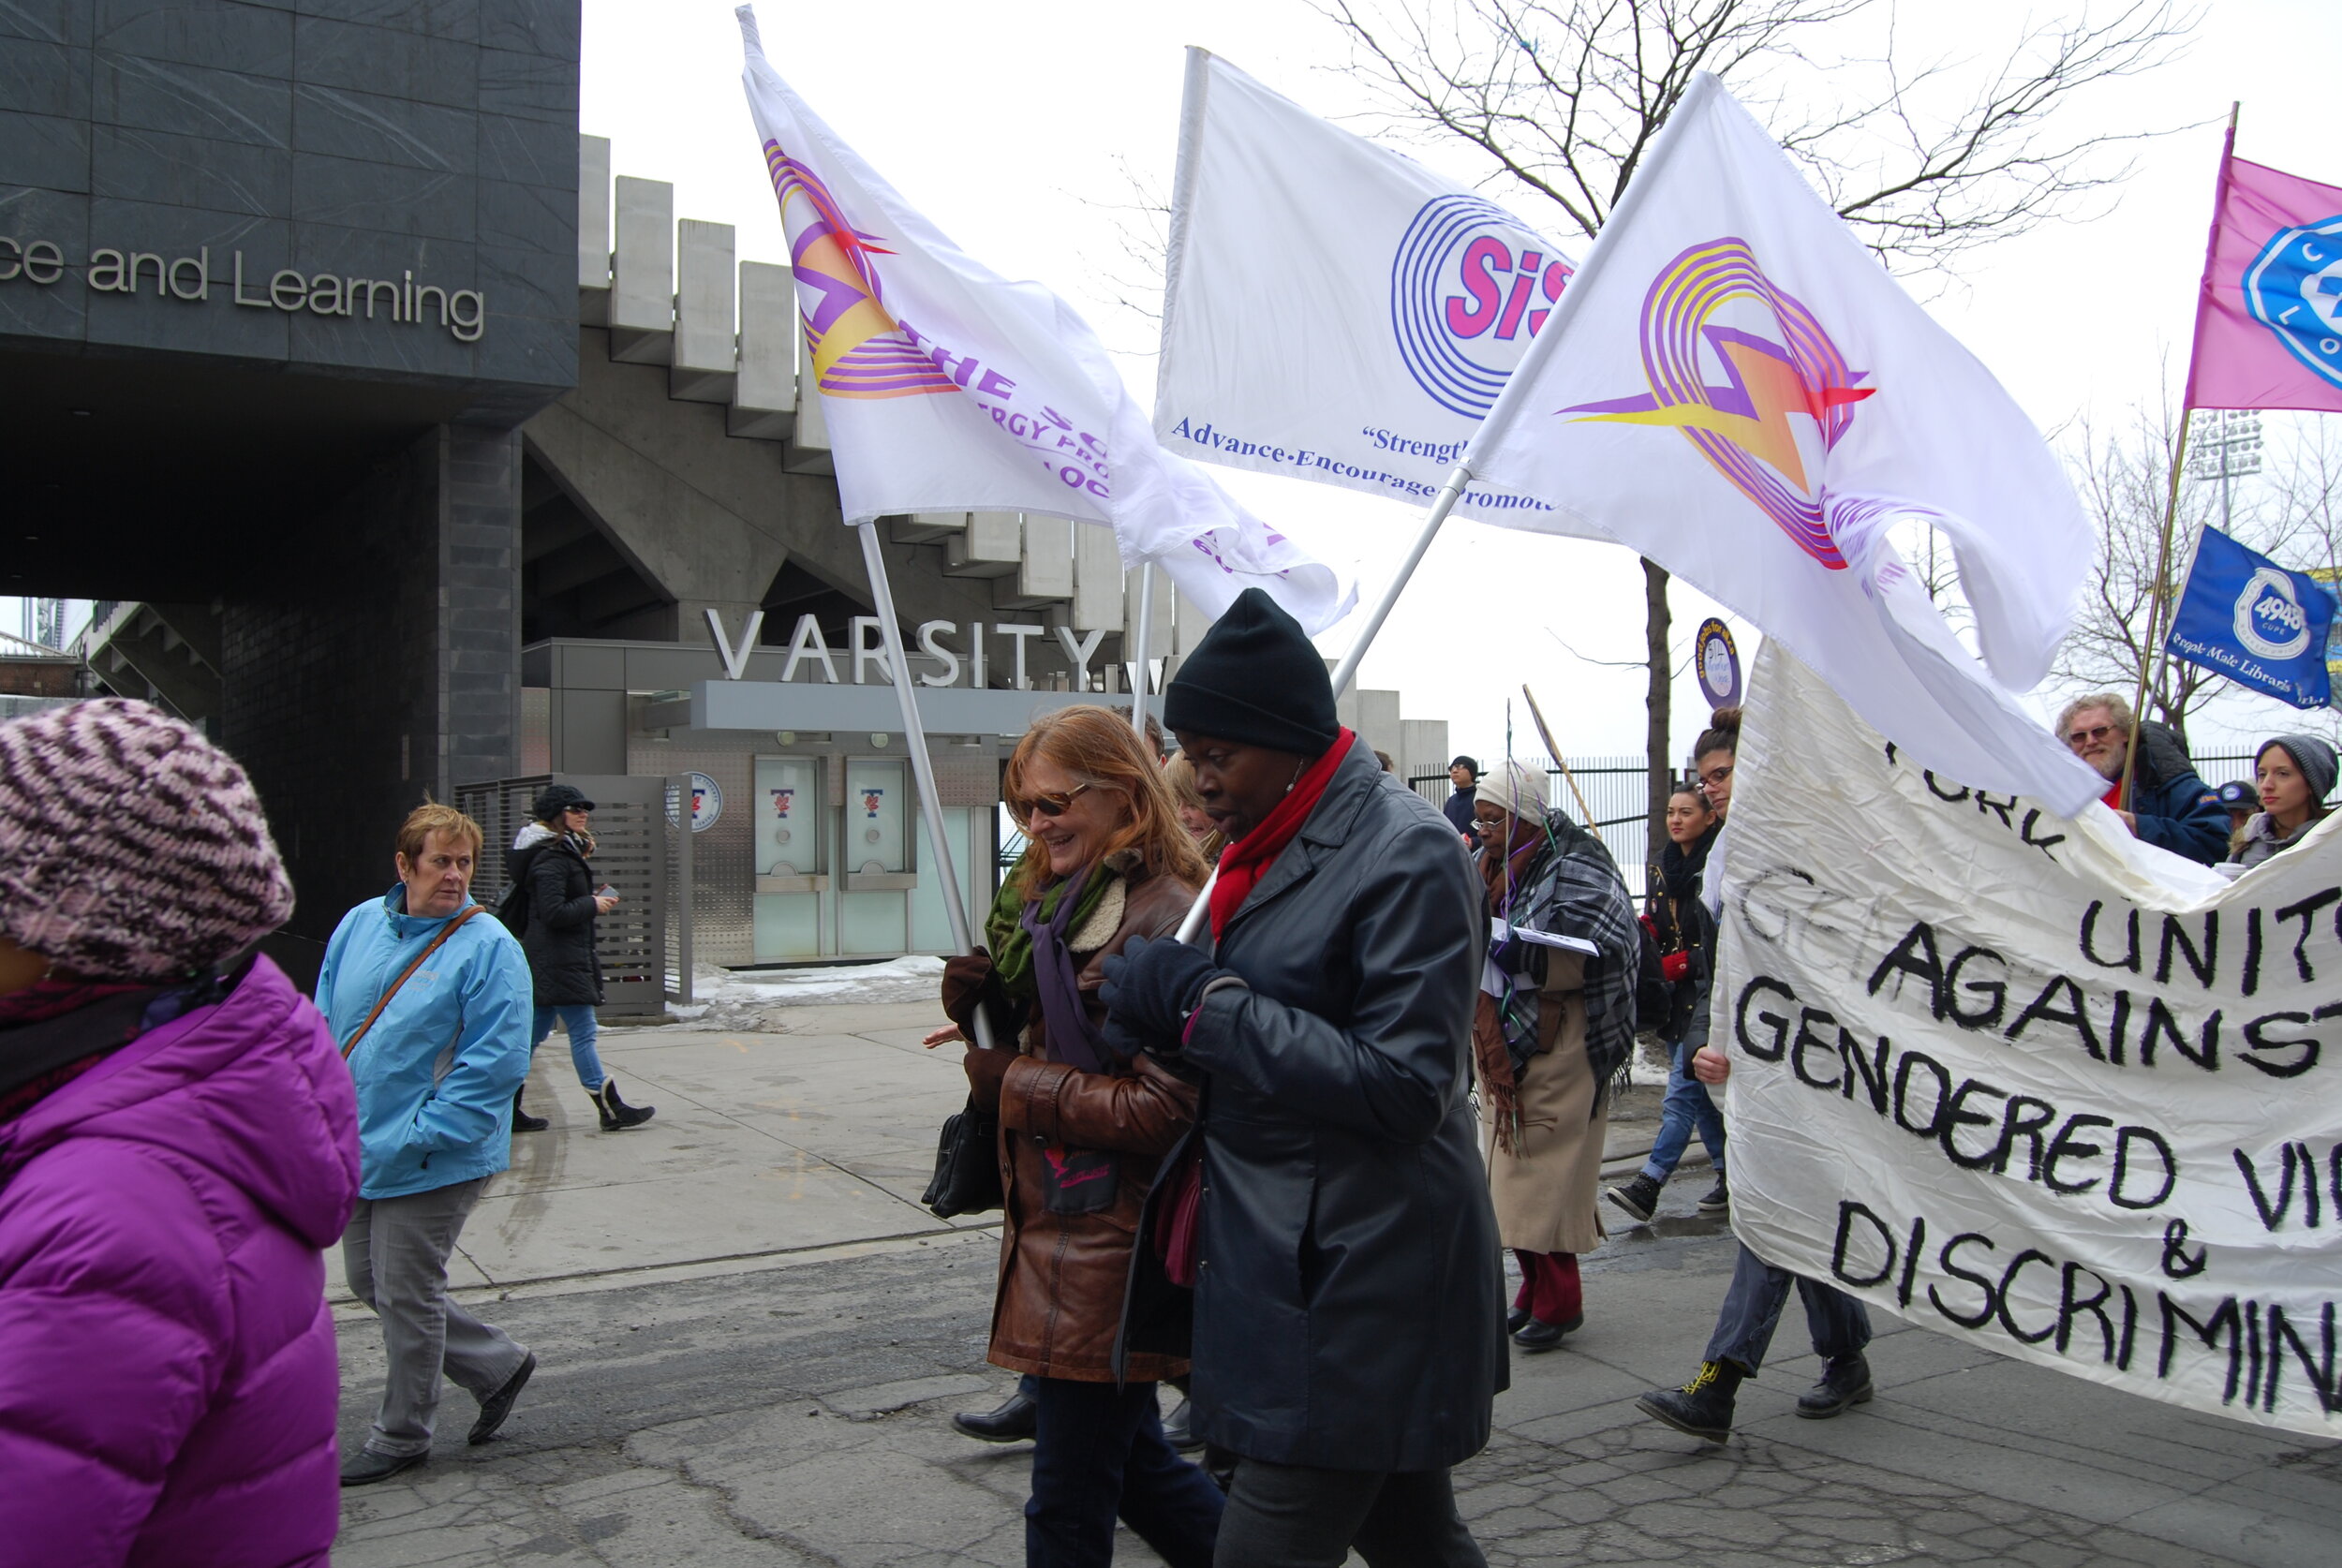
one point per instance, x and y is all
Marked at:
(2229, 449)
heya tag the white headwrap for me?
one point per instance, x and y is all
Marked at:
(1517, 789)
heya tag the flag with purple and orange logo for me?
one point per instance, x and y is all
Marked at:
(1734, 388)
(948, 387)
(2269, 311)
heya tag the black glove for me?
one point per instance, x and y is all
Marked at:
(1149, 986)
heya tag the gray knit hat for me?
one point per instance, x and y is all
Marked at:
(130, 846)
(2314, 757)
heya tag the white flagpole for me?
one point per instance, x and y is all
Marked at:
(1506, 407)
(922, 765)
(1146, 647)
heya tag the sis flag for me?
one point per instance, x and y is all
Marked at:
(2269, 313)
(948, 387)
(1332, 310)
(1734, 388)
(2246, 617)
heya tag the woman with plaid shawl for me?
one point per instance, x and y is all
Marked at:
(1553, 1026)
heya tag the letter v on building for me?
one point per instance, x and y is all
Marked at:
(736, 661)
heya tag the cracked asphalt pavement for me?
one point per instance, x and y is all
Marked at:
(796, 1415)
(771, 1382)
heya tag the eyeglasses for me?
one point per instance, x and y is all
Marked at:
(2082, 737)
(1049, 802)
(1716, 775)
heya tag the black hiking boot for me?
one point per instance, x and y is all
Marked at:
(1846, 1380)
(1702, 1408)
(521, 1120)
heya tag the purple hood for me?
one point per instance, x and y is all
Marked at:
(168, 1377)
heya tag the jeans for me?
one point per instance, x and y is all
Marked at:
(1098, 1452)
(1292, 1517)
(584, 1030)
(1687, 1107)
(1840, 1325)
(396, 1255)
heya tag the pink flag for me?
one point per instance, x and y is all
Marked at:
(2269, 313)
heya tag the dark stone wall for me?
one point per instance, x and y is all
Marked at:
(358, 137)
(379, 665)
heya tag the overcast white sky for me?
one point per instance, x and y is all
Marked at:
(1010, 125)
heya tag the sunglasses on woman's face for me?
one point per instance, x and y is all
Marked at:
(1049, 802)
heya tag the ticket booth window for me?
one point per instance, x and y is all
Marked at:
(875, 851)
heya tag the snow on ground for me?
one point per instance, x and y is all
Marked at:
(750, 1001)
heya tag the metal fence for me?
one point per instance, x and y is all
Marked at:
(643, 848)
(1616, 788)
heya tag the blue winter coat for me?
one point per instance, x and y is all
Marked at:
(437, 1073)
(2176, 809)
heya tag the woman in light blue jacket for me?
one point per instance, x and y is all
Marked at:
(428, 996)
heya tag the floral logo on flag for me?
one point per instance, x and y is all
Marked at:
(859, 349)
(1469, 287)
(1742, 425)
(2294, 288)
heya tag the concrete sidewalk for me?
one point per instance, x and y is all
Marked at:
(765, 1145)
(751, 1338)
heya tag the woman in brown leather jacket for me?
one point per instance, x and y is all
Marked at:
(1083, 1130)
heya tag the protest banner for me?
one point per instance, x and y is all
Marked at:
(2027, 1082)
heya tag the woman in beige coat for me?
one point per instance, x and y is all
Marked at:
(1555, 1019)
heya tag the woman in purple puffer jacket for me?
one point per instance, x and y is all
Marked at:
(178, 1142)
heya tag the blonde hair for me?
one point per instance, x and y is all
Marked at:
(1179, 773)
(415, 833)
(1095, 746)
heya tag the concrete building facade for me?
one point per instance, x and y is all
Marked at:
(408, 446)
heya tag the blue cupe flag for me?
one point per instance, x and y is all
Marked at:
(2251, 620)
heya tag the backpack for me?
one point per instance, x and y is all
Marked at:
(513, 908)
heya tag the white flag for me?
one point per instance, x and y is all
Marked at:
(1733, 387)
(947, 387)
(1333, 310)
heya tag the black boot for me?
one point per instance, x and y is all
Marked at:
(1014, 1422)
(521, 1120)
(1702, 1407)
(616, 1115)
(1846, 1380)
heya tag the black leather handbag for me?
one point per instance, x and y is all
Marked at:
(967, 1165)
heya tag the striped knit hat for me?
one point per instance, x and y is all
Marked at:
(130, 846)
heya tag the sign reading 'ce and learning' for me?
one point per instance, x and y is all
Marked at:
(464, 312)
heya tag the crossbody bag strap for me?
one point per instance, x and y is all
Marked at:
(436, 942)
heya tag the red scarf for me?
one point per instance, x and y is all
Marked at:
(1247, 861)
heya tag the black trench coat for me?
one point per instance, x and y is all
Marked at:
(1349, 1307)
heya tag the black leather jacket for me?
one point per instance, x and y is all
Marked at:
(1349, 1309)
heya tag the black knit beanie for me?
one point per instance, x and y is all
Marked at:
(1256, 679)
